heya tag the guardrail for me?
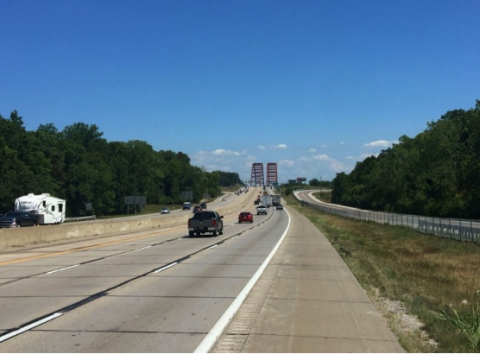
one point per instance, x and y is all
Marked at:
(81, 218)
(457, 229)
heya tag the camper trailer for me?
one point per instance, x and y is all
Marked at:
(49, 210)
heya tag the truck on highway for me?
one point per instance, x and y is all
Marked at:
(267, 200)
(205, 221)
(18, 219)
(276, 199)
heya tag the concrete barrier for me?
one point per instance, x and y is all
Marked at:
(31, 235)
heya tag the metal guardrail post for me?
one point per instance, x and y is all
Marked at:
(451, 230)
(460, 230)
(471, 231)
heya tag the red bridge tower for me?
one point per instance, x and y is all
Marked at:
(272, 176)
(257, 179)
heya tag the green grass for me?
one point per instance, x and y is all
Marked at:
(323, 196)
(467, 322)
(435, 278)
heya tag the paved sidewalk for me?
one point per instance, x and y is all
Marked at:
(307, 300)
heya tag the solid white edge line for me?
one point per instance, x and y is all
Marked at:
(30, 326)
(166, 267)
(59, 270)
(217, 330)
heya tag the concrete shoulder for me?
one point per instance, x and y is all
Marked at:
(307, 300)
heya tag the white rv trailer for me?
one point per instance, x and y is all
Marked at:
(50, 210)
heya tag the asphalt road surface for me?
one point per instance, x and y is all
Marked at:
(149, 291)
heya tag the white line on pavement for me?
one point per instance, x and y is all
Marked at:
(166, 267)
(222, 323)
(139, 249)
(30, 326)
(59, 270)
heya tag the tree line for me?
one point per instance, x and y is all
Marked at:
(436, 173)
(78, 165)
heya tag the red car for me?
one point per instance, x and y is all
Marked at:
(245, 216)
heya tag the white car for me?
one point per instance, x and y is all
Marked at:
(165, 211)
(262, 209)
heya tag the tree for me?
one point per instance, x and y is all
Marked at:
(79, 165)
(435, 173)
(314, 182)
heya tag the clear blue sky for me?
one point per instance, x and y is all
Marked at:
(312, 85)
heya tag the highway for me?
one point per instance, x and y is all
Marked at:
(150, 291)
(217, 203)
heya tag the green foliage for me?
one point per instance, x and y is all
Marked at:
(77, 164)
(228, 179)
(435, 173)
(467, 322)
(317, 183)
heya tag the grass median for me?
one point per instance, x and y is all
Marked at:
(427, 287)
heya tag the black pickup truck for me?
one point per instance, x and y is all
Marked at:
(17, 219)
(205, 221)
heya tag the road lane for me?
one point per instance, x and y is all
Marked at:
(184, 301)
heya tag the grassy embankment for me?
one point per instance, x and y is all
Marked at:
(323, 196)
(435, 279)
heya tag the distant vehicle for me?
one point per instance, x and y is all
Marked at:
(267, 200)
(205, 221)
(48, 209)
(275, 199)
(187, 205)
(197, 209)
(245, 216)
(203, 205)
(279, 207)
(165, 211)
(262, 209)
(18, 219)
(257, 201)
(224, 198)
